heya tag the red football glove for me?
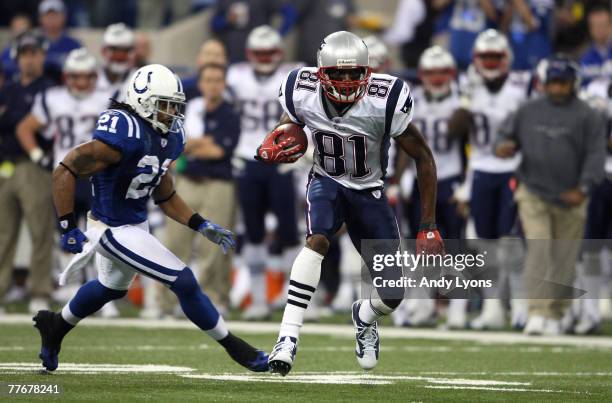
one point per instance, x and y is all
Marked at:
(429, 242)
(282, 152)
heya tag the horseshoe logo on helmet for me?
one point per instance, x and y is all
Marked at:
(146, 87)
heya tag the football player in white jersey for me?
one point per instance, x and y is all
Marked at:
(599, 222)
(261, 188)
(352, 116)
(119, 59)
(67, 114)
(435, 101)
(490, 94)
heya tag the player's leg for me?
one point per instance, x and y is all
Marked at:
(252, 184)
(369, 217)
(112, 283)
(589, 276)
(283, 204)
(142, 252)
(324, 215)
(485, 209)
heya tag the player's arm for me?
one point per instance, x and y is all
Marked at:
(175, 207)
(283, 120)
(81, 162)
(413, 143)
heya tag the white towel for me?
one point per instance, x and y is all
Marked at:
(94, 232)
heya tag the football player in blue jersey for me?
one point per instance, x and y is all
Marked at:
(127, 160)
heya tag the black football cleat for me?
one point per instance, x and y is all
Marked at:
(48, 325)
(244, 354)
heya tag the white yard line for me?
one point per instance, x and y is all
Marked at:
(95, 368)
(500, 389)
(348, 331)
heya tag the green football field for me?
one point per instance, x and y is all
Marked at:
(167, 361)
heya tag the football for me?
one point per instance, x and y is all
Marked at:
(294, 133)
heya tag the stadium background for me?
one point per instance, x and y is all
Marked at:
(87, 20)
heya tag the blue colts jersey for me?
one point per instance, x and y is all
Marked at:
(121, 191)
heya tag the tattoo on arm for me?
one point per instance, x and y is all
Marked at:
(83, 161)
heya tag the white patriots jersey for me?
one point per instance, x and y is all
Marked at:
(489, 110)
(351, 149)
(431, 117)
(68, 120)
(257, 101)
(118, 89)
(599, 94)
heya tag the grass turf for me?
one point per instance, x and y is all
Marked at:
(572, 373)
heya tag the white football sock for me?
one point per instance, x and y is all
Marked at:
(372, 309)
(220, 331)
(303, 282)
(255, 258)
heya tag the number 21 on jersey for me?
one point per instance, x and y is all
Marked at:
(143, 184)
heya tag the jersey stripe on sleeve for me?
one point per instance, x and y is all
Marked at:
(290, 85)
(392, 103)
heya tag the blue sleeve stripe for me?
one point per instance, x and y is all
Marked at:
(392, 104)
(45, 106)
(289, 94)
(129, 122)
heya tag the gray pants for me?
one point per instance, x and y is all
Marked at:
(554, 235)
(27, 195)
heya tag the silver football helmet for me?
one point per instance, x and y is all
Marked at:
(118, 48)
(437, 69)
(80, 72)
(264, 49)
(378, 53)
(344, 68)
(492, 54)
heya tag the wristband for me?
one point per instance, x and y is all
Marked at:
(196, 221)
(36, 155)
(67, 223)
(428, 226)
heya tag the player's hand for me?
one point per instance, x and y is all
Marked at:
(282, 152)
(429, 242)
(506, 149)
(73, 240)
(393, 194)
(219, 235)
(41, 158)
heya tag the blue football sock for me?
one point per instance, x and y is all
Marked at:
(196, 305)
(91, 297)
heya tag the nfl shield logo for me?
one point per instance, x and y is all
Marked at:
(164, 142)
(377, 193)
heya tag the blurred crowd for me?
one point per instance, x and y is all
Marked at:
(472, 65)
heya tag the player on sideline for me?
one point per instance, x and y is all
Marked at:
(128, 158)
(352, 115)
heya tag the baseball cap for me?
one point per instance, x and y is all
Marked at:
(28, 39)
(51, 5)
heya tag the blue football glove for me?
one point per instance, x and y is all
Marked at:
(217, 234)
(72, 241)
